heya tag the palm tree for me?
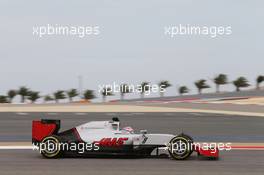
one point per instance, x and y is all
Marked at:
(72, 93)
(183, 90)
(144, 87)
(59, 95)
(124, 89)
(3, 99)
(221, 79)
(33, 96)
(11, 94)
(163, 85)
(201, 84)
(88, 94)
(240, 83)
(48, 98)
(259, 80)
(107, 91)
(23, 92)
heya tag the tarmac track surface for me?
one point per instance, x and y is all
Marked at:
(202, 106)
(26, 162)
(203, 127)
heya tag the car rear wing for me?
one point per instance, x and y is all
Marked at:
(44, 127)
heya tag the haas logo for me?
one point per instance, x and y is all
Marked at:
(112, 142)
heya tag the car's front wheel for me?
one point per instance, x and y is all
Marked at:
(50, 147)
(181, 147)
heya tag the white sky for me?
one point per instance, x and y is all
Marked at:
(132, 46)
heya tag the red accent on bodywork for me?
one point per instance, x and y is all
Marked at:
(77, 135)
(213, 153)
(40, 130)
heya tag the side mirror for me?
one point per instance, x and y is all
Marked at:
(143, 131)
(115, 119)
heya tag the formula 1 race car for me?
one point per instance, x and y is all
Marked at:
(105, 138)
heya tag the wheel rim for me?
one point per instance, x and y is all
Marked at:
(50, 147)
(180, 148)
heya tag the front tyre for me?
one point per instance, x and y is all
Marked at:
(181, 147)
(50, 147)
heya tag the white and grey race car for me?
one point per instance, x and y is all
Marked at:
(106, 138)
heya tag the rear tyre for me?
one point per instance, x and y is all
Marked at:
(181, 147)
(50, 147)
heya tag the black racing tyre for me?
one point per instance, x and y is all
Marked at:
(50, 147)
(181, 147)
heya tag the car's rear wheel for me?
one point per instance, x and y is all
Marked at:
(50, 147)
(181, 147)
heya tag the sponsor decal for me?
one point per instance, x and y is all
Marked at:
(112, 142)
